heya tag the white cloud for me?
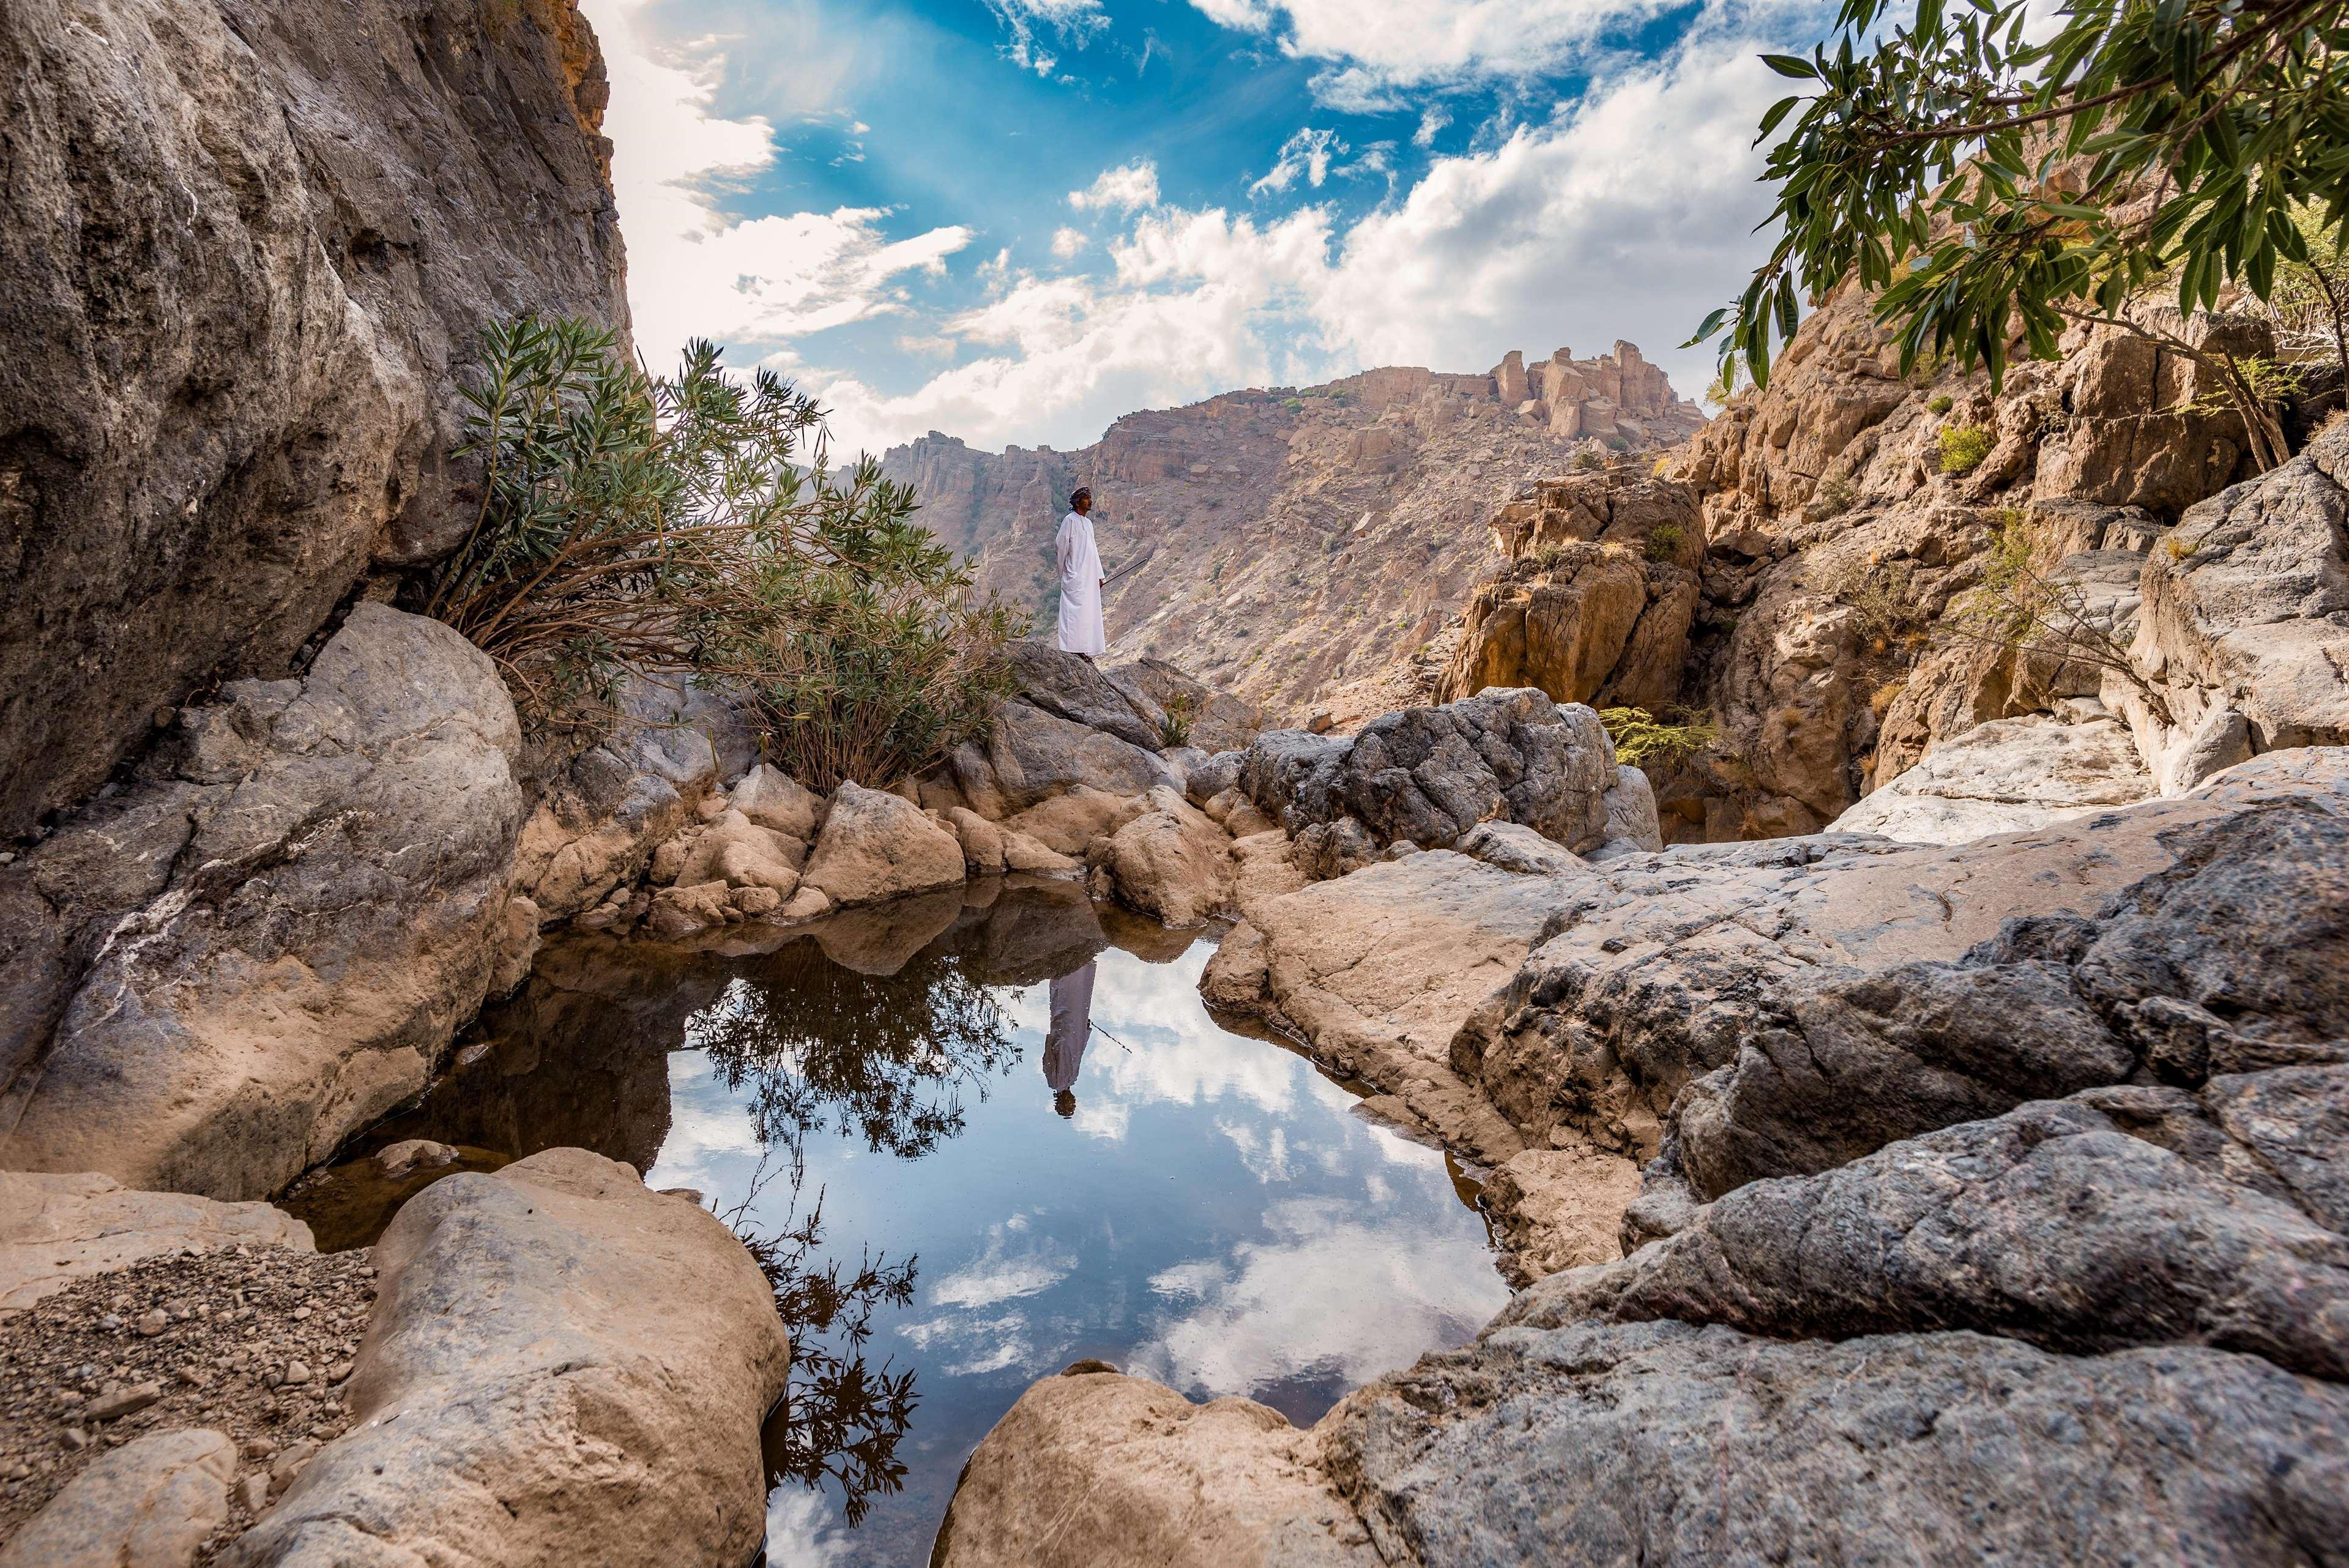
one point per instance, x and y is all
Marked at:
(1376, 49)
(1626, 213)
(1002, 1272)
(1307, 153)
(692, 270)
(1067, 243)
(1068, 22)
(1432, 122)
(1121, 190)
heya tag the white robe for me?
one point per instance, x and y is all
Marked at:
(1080, 587)
(1073, 1023)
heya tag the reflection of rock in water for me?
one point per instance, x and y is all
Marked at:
(874, 1022)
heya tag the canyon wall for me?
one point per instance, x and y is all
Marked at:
(245, 248)
(1290, 543)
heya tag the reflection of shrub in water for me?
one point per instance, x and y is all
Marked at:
(842, 1418)
(886, 1057)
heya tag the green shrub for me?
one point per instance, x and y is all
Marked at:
(1182, 713)
(1640, 738)
(1294, 405)
(1837, 496)
(1940, 403)
(1963, 447)
(1587, 460)
(1664, 542)
(629, 522)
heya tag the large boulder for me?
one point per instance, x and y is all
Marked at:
(1860, 990)
(228, 386)
(1031, 755)
(563, 1366)
(1094, 1468)
(267, 942)
(150, 1503)
(1171, 862)
(2247, 603)
(1071, 686)
(876, 845)
(1428, 775)
(2003, 776)
(1596, 1445)
(57, 1228)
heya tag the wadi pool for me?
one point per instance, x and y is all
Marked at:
(961, 1197)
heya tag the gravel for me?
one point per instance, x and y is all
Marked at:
(251, 1342)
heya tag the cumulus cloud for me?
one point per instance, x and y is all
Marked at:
(1627, 212)
(1307, 154)
(1120, 189)
(1376, 50)
(1067, 243)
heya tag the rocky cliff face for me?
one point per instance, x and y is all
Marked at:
(1292, 542)
(1801, 572)
(243, 248)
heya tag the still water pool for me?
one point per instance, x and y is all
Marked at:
(978, 1137)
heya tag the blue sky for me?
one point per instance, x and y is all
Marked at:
(1016, 220)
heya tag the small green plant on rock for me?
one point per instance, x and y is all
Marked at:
(1587, 460)
(1664, 542)
(1837, 496)
(1884, 594)
(2027, 607)
(1642, 737)
(1182, 714)
(1963, 447)
(1940, 403)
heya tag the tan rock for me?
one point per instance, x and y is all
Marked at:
(57, 1228)
(1092, 1468)
(411, 1154)
(982, 841)
(775, 800)
(808, 904)
(2007, 776)
(552, 1327)
(687, 910)
(1071, 822)
(150, 1503)
(1171, 862)
(1022, 854)
(876, 846)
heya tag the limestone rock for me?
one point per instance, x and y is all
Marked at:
(1071, 822)
(1031, 755)
(556, 1320)
(222, 973)
(773, 799)
(1614, 1444)
(150, 1503)
(1170, 863)
(1217, 720)
(1631, 824)
(1073, 687)
(57, 1228)
(2120, 1217)
(602, 813)
(982, 842)
(2007, 776)
(230, 374)
(876, 846)
(1092, 1468)
(1429, 775)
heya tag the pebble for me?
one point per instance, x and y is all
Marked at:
(75, 1438)
(297, 1372)
(151, 1324)
(122, 1401)
(253, 1492)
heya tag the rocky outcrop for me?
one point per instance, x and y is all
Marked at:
(1427, 776)
(150, 1503)
(2007, 776)
(876, 846)
(266, 940)
(1171, 862)
(1994, 1171)
(246, 249)
(554, 1328)
(601, 814)
(57, 1228)
(1286, 544)
(1596, 598)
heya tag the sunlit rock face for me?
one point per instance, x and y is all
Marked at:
(1290, 543)
(246, 248)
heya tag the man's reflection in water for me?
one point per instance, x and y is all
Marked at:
(1064, 1047)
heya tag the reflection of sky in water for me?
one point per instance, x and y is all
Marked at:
(1212, 1215)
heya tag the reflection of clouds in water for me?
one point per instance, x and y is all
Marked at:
(802, 1532)
(1003, 1270)
(1331, 1296)
(1264, 1155)
(1178, 1055)
(706, 1125)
